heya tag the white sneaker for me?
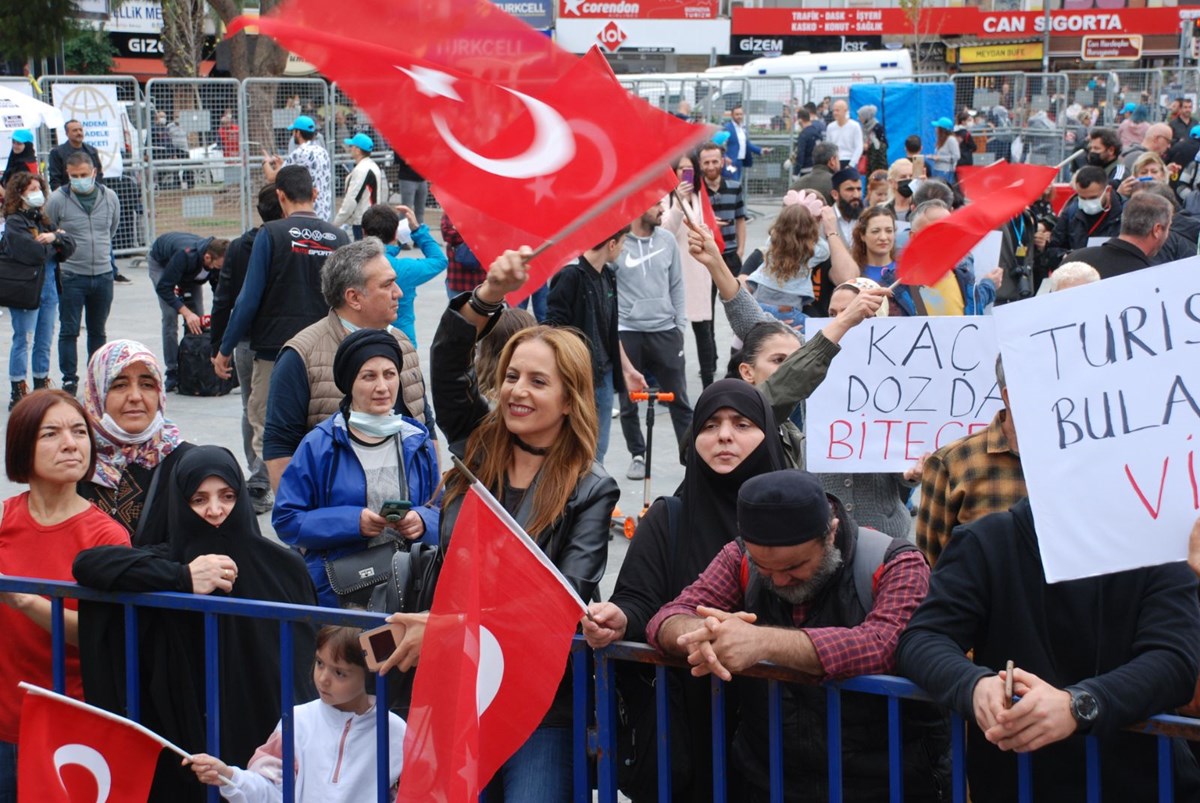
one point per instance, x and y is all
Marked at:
(637, 469)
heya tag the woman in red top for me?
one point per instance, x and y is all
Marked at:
(48, 446)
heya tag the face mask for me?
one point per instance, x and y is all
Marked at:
(1095, 159)
(35, 199)
(1091, 207)
(83, 185)
(377, 426)
(904, 188)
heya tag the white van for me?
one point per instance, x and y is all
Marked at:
(863, 65)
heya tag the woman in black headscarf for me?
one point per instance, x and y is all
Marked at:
(734, 438)
(214, 547)
(22, 158)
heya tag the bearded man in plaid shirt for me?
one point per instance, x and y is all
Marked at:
(804, 587)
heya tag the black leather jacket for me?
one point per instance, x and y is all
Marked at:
(577, 541)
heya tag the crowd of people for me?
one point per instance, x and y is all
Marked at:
(751, 559)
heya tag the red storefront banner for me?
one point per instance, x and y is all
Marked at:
(638, 9)
(951, 22)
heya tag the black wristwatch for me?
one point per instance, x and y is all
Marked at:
(1084, 708)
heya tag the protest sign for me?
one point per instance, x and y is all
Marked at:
(901, 387)
(96, 107)
(1103, 381)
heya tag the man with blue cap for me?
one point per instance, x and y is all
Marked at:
(806, 588)
(366, 184)
(311, 155)
(22, 158)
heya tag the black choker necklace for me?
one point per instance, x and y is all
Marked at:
(539, 451)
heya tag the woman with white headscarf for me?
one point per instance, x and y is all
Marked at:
(136, 445)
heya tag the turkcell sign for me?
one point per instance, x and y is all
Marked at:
(534, 13)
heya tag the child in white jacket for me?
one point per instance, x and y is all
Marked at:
(334, 738)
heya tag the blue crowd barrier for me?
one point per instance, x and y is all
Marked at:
(593, 741)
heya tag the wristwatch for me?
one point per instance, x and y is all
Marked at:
(1084, 708)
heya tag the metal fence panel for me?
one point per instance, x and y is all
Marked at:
(268, 106)
(79, 100)
(194, 159)
(345, 120)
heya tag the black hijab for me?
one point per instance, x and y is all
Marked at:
(709, 498)
(23, 162)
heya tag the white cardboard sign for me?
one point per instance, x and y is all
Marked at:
(95, 106)
(901, 387)
(1104, 383)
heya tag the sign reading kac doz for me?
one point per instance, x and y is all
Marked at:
(1104, 383)
(901, 387)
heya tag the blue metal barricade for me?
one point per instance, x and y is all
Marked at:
(594, 740)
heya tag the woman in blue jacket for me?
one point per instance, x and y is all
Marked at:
(331, 495)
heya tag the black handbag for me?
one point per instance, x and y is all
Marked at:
(20, 285)
(410, 584)
(352, 577)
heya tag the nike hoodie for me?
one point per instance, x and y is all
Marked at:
(650, 284)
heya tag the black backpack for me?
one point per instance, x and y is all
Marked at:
(196, 375)
(408, 590)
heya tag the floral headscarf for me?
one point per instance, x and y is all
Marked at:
(115, 448)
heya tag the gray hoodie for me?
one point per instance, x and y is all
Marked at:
(93, 233)
(650, 284)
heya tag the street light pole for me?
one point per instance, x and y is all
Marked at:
(1046, 36)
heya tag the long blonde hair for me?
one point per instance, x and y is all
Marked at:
(489, 448)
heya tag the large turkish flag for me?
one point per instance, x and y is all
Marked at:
(72, 752)
(524, 143)
(495, 647)
(998, 194)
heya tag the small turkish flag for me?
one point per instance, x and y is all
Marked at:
(1002, 192)
(72, 752)
(496, 644)
(524, 143)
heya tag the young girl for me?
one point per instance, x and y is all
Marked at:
(334, 737)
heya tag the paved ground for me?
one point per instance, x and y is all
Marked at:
(218, 420)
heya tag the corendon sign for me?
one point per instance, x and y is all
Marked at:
(638, 9)
(952, 22)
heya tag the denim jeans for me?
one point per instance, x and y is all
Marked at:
(8, 772)
(413, 195)
(40, 324)
(243, 363)
(604, 402)
(540, 771)
(793, 317)
(194, 299)
(82, 295)
(539, 298)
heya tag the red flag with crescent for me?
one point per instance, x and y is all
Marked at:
(495, 647)
(524, 143)
(999, 193)
(72, 752)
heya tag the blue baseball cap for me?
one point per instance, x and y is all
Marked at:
(360, 141)
(1195, 132)
(23, 135)
(943, 122)
(1129, 107)
(303, 123)
(720, 138)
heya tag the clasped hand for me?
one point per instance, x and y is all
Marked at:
(723, 644)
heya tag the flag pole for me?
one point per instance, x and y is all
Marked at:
(461, 466)
(1068, 160)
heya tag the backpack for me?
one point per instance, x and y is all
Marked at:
(196, 377)
(409, 589)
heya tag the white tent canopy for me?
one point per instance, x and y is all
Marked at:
(18, 110)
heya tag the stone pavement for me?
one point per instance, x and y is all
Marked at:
(135, 315)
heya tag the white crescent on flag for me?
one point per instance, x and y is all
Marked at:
(90, 759)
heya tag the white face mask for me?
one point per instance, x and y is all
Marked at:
(1093, 206)
(35, 199)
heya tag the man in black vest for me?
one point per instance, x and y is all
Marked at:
(805, 588)
(282, 291)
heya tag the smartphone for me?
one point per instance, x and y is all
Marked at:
(379, 644)
(395, 509)
(687, 175)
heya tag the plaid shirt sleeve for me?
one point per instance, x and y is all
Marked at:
(870, 648)
(719, 586)
(937, 514)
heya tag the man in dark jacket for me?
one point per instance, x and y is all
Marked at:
(1091, 656)
(584, 295)
(828, 599)
(74, 144)
(229, 284)
(806, 141)
(179, 265)
(1145, 229)
(824, 164)
(1094, 212)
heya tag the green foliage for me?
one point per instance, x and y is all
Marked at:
(34, 28)
(88, 52)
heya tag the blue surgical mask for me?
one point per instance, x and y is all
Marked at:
(35, 199)
(83, 185)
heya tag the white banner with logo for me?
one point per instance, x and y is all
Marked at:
(97, 108)
(1104, 382)
(694, 37)
(901, 387)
